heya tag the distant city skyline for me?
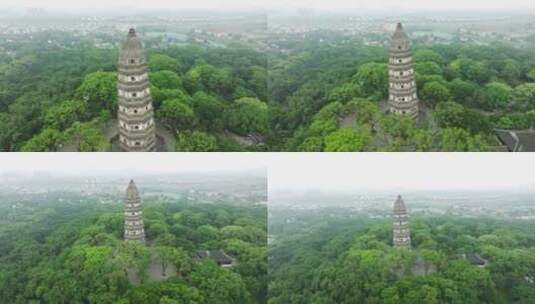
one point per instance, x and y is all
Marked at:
(346, 6)
(165, 163)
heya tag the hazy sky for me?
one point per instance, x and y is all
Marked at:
(340, 5)
(309, 171)
(124, 162)
(402, 171)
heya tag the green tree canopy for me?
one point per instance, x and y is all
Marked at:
(427, 55)
(64, 114)
(49, 140)
(435, 92)
(176, 115)
(427, 68)
(99, 91)
(166, 80)
(209, 110)
(195, 142)
(346, 140)
(246, 116)
(87, 137)
(162, 62)
(497, 95)
(372, 78)
(455, 139)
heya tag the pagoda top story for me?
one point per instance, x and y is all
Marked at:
(400, 33)
(131, 190)
(132, 47)
(399, 205)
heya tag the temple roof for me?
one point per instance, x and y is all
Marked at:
(399, 205)
(517, 140)
(476, 259)
(399, 33)
(219, 256)
(132, 47)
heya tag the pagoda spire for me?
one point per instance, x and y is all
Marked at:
(401, 231)
(133, 215)
(137, 132)
(402, 95)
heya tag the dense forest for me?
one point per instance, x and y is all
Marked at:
(71, 251)
(58, 99)
(320, 92)
(321, 258)
(326, 92)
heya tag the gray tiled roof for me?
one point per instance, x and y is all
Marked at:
(517, 140)
(219, 256)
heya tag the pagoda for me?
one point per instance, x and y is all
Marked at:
(133, 215)
(401, 231)
(137, 132)
(402, 95)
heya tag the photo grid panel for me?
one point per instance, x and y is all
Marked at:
(376, 228)
(132, 228)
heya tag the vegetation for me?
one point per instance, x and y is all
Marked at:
(43, 94)
(318, 258)
(325, 83)
(74, 253)
(317, 91)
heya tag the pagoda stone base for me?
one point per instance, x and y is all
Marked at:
(423, 118)
(160, 144)
(165, 141)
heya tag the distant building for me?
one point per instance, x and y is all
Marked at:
(133, 215)
(402, 95)
(137, 131)
(475, 259)
(400, 216)
(219, 256)
(530, 278)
